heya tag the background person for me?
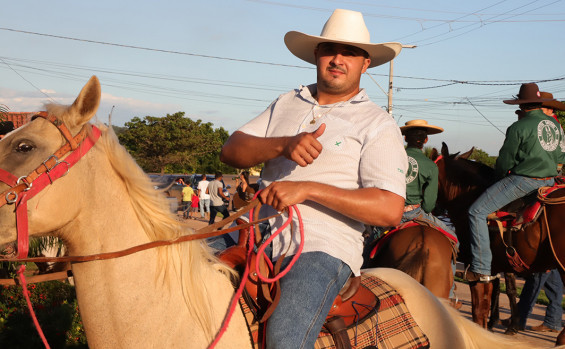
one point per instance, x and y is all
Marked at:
(336, 155)
(204, 197)
(216, 191)
(528, 160)
(187, 193)
(550, 281)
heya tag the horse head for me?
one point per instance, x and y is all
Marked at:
(33, 154)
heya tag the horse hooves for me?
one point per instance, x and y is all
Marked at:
(511, 332)
(492, 324)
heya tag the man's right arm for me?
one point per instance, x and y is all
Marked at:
(242, 150)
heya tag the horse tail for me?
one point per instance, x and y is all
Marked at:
(476, 337)
(413, 263)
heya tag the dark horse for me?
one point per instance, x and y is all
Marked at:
(540, 244)
(421, 252)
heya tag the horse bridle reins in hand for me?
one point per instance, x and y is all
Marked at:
(24, 188)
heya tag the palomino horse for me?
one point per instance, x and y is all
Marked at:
(461, 182)
(421, 252)
(167, 297)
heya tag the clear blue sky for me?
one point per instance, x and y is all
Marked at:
(224, 61)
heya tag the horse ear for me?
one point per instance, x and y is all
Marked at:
(434, 154)
(466, 154)
(87, 102)
(444, 150)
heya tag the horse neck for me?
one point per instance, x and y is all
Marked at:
(130, 301)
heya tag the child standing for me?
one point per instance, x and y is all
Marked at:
(194, 207)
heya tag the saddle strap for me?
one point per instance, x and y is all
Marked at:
(514, 259)
(336, 326)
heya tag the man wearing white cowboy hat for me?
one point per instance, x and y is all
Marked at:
(528, 159)
(336, 155)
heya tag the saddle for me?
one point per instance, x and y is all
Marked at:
(413, 223)
(388, 325)
(262, 298)
(517, 214)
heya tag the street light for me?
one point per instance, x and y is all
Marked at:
(389, 94)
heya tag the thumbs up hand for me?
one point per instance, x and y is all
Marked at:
(304, 148)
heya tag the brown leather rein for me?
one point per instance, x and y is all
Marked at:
(202, 233)
(24, 188)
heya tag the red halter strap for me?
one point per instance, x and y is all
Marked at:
(24, 188)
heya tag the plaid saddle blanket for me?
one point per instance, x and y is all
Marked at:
(391, 326)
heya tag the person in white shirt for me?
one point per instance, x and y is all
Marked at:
(336, 155)
(204, 198)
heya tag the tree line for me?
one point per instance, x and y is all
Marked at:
(178, 144)
(174, 144)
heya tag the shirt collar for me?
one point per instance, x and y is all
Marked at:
(305, 92)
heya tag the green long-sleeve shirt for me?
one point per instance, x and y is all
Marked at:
(421, 180)
(533, 147)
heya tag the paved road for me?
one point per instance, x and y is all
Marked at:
(544, 339)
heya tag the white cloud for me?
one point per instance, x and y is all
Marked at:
(124, 108)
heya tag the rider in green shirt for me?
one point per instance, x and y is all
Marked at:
(422, 181)
(422, 174)
(528, 159)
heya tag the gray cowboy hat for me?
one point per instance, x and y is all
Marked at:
(343, 27)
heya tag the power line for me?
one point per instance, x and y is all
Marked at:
(26, 80)
(153, 49)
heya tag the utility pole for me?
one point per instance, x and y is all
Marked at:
(389, 94)
(110, 116)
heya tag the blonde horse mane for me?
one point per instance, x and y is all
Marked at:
(189, 262)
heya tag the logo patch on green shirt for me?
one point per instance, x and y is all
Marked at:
(412, 170)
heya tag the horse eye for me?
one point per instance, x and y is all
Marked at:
(24, 147)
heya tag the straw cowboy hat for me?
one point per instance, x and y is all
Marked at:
(419, 123)
(554, 104)
(529, 93)
(343, 27)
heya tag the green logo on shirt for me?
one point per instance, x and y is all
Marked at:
(548, 135)
(412, 170)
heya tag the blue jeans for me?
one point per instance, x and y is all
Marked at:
(307, 294)
(495, 197)
(430, 218)
(204, 203)
(185, 207)
(553, 286)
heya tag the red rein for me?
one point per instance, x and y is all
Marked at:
(260, 254)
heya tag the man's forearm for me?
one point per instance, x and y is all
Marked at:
(243, 151)
(371, 206)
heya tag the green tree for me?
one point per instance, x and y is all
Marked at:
(561, 117)
(482, 156)
(174, 144)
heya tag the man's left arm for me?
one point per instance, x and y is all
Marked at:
(371, 206)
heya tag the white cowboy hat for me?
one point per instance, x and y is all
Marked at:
(343, 27)
(419, 123)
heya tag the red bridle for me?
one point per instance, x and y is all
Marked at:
(24, 188)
